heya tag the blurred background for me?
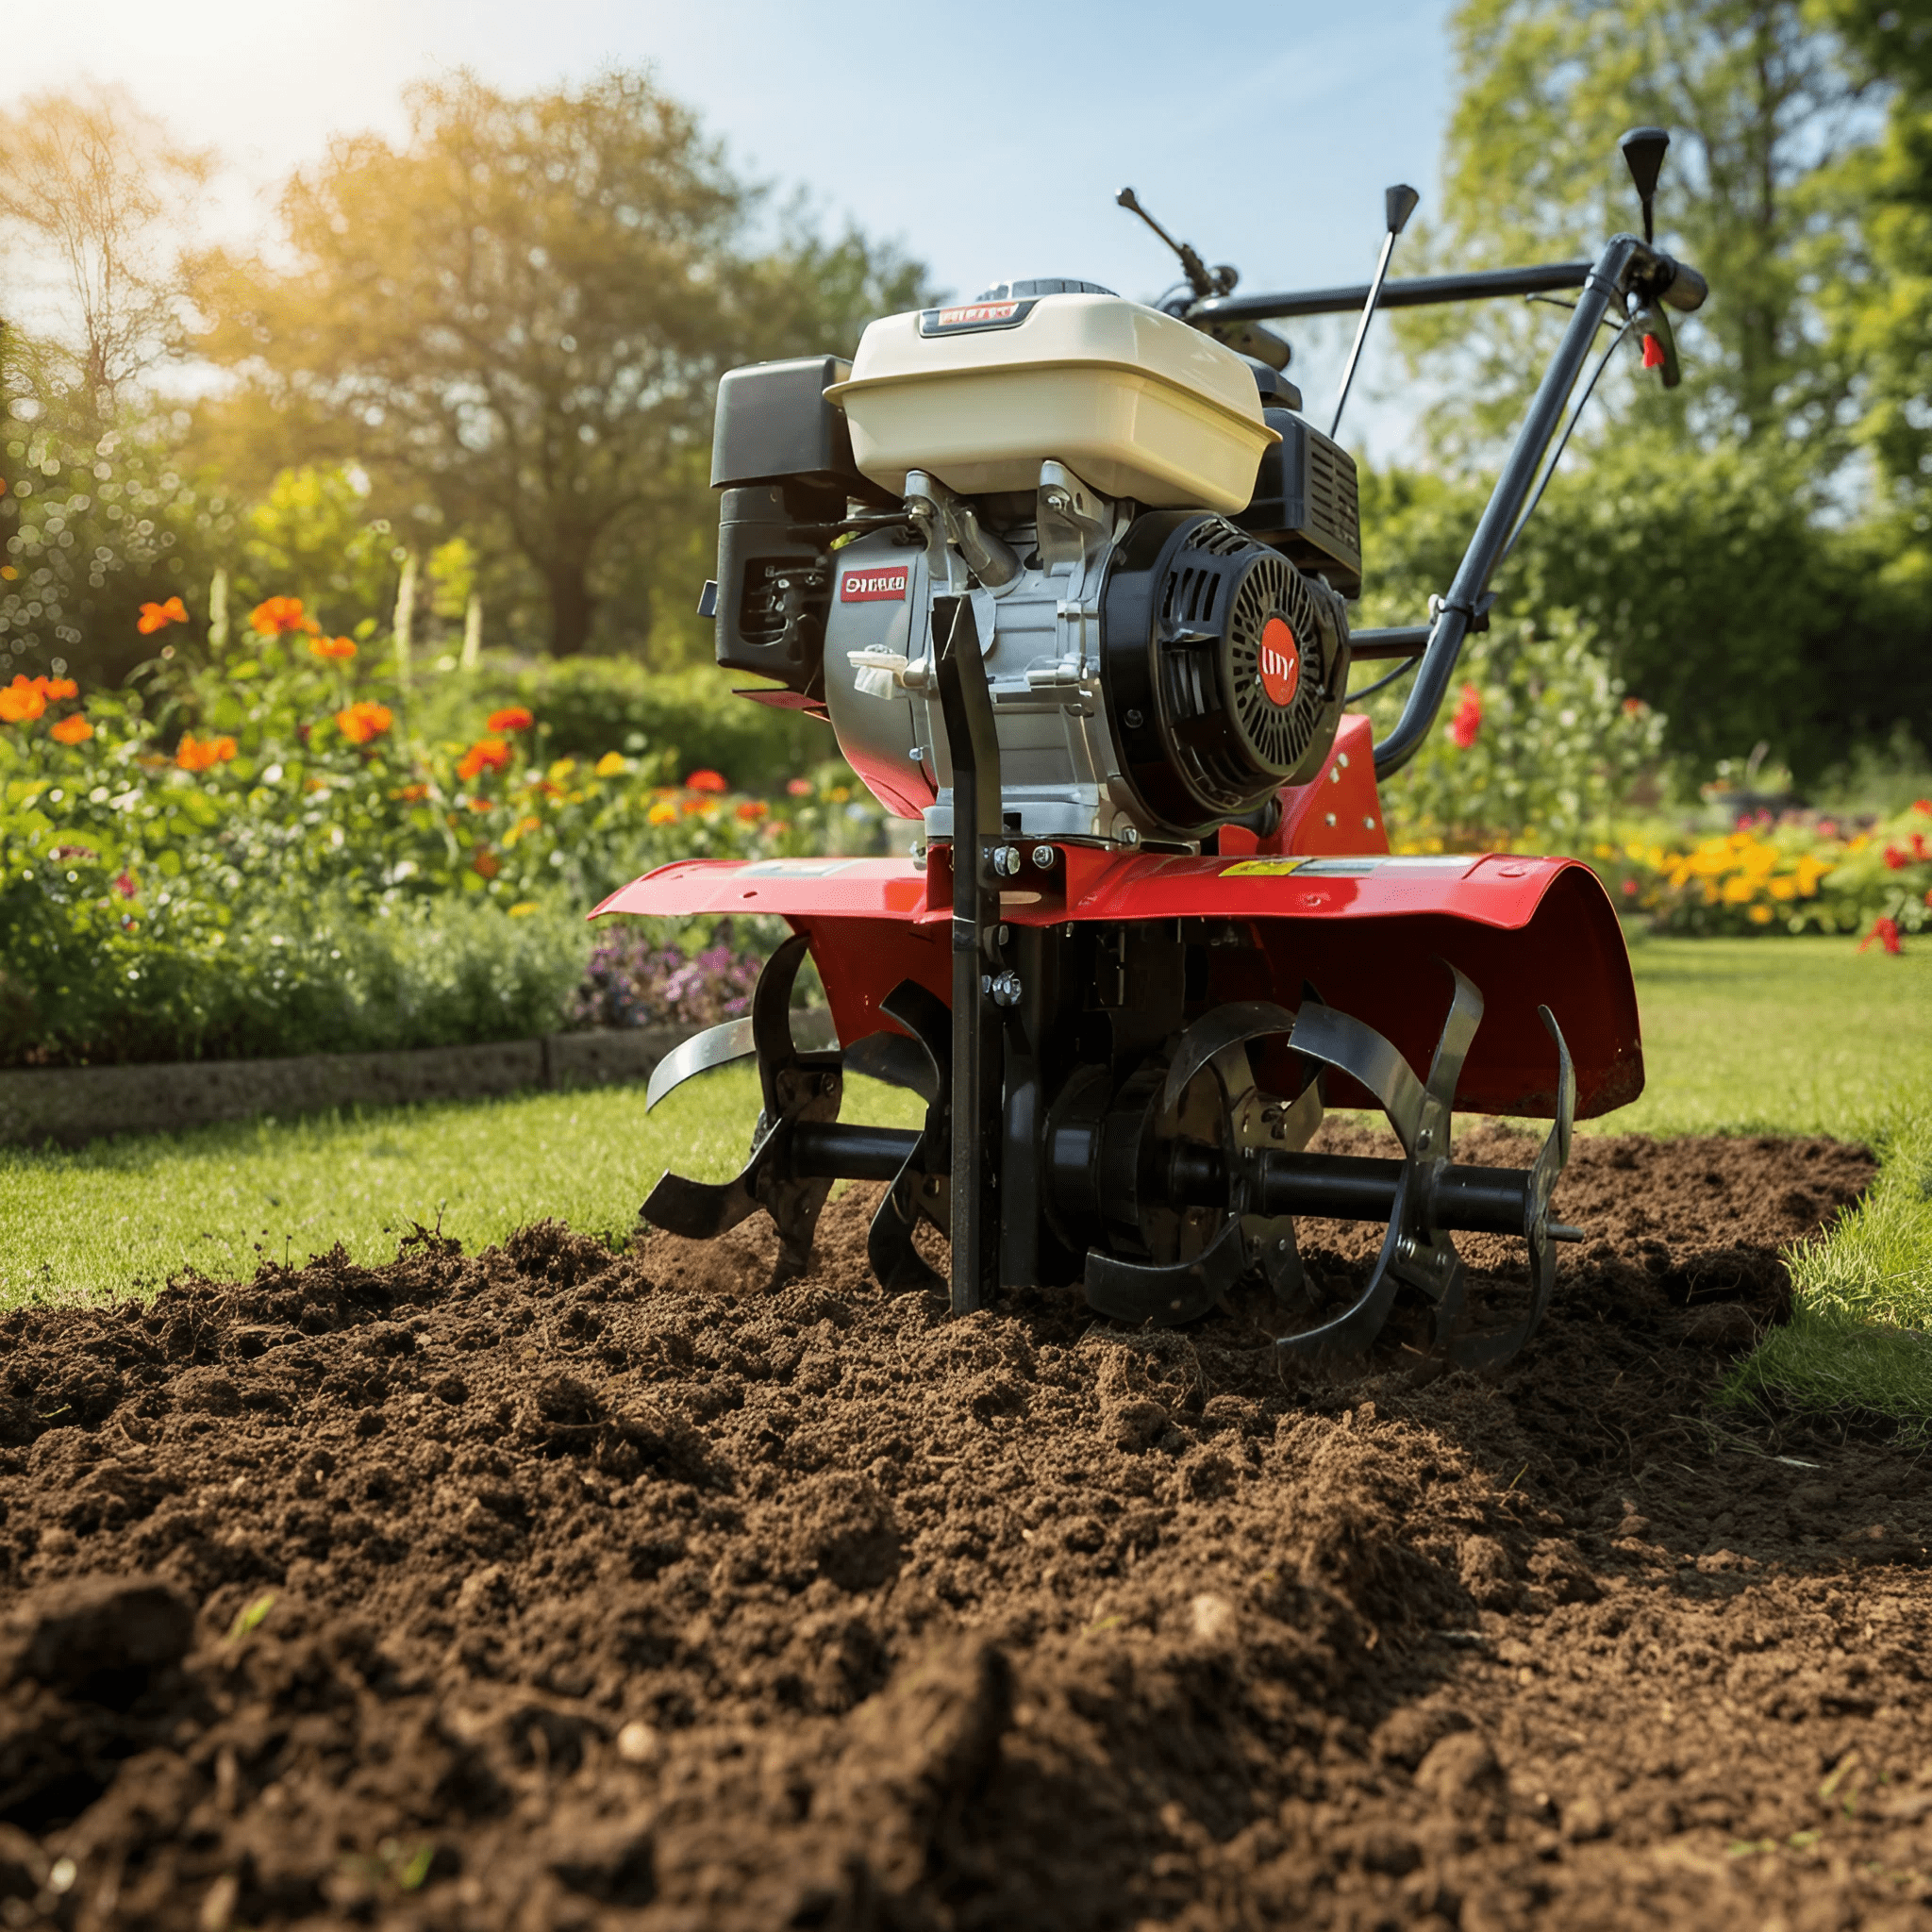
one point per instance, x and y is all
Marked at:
(363, 356)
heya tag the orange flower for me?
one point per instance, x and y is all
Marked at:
(486, 754)
(23, 701)
(155, 617)
(485, 863)
(705, 781)
(753, 810)
(275, 616)
(203, 754)
(512, 718)
(411, 793)
(1468, 720)
(73, 730)
(55, 689)
(363, 721)
(333, 647)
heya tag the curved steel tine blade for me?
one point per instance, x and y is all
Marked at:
(1341, 1040)
(698, 1209)
(1458, 1028)
(718, 1046)
(895, 1262)
(1166, 1295)
(1230, 1025)
(1491, 1350)
(771, 1017)
(1352, 1332)
(894, 1060)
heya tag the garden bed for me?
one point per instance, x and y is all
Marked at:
(545, 1587)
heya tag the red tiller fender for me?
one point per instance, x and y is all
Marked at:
(1365, 931)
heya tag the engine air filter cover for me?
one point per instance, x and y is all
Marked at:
(1223, 668)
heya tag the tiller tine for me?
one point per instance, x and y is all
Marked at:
(921, 1185)
(799, 1089)
(1217, 1171)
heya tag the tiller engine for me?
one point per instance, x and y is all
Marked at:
(1068, 576)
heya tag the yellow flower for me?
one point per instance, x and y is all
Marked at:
(522, 907)
(1783, 889)
(1738, 891)
(1759, 915)
(663, 812)
(611, 764)
(561, 769)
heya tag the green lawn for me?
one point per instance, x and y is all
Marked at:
(1797, 1036)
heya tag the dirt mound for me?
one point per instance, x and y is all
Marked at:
(545, 1588)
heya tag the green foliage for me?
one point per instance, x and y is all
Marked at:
(1716, 596)
(313, 537)
(93, 522)
(681, 720)
(263, 856)
(1539, 746)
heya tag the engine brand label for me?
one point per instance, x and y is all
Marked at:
(972, 315)
(887, 586)
(1261, 868)
(1281, 661)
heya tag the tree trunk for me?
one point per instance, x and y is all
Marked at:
(572, 607)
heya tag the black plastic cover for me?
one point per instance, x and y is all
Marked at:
(775, 425)
(773, 591)
(1306, 503)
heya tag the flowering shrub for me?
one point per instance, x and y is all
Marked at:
(1801, 872)
(144, 831)
(1540, 751)
(634, 981)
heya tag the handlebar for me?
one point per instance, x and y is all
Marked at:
(1626, 267)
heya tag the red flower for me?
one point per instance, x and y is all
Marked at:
(1886, 932)
(275, 615)
(155, 617)
(752, 809)
(123, 883)
(1629, 889)
(799, 788)
(1468, 719)
(203, 754)
(486, 754)
(512, 718)
(1897, 858)
(24, 700)
(705, 781)
(485, 863)
(1924, 805)
(362, 720)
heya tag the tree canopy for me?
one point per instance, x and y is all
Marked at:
(518, 316)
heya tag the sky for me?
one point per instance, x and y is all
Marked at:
(989, 142)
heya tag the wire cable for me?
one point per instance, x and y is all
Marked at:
(1368, 690)
(1562, 444)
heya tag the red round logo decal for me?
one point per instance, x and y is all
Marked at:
(1281, 661)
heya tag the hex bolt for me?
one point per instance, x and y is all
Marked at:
(1129, 836)
(1006, 990)
(1006, 860)
(1044, 858)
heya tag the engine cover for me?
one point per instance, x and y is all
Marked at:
(1154, 675)
(1222, 665)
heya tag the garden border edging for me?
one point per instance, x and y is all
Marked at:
(69, 1105)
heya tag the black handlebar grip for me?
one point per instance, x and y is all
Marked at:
(1686, 289)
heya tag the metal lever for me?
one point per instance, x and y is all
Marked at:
(1398, 204)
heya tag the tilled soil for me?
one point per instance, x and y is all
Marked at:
(546, 1588)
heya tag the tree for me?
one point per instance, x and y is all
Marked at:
(94, 195)
(520, 316)
(1881, 310)
(1758, 99)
